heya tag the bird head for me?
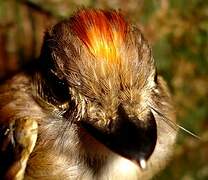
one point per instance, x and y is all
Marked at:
(98, 71)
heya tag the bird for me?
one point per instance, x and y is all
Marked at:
(93, 106)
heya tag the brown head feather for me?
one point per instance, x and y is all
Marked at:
(101, 56)
(94, 93)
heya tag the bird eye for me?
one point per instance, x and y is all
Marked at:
(55, 90)
(59, 88)
(155, 77)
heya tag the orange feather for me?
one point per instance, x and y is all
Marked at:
(102, 32)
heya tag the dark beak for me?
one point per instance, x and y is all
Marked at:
(131, 138)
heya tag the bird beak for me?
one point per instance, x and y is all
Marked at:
(131, 138)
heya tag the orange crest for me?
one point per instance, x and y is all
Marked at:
(103, 32)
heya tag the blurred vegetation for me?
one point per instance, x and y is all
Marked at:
(178, 33)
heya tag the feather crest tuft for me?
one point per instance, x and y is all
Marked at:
(103, 32)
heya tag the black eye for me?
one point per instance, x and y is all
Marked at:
(155, 77)
(58, 88)
(53, 89)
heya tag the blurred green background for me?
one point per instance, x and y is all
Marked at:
(178, 33)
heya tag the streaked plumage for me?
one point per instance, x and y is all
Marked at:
(93, 108)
